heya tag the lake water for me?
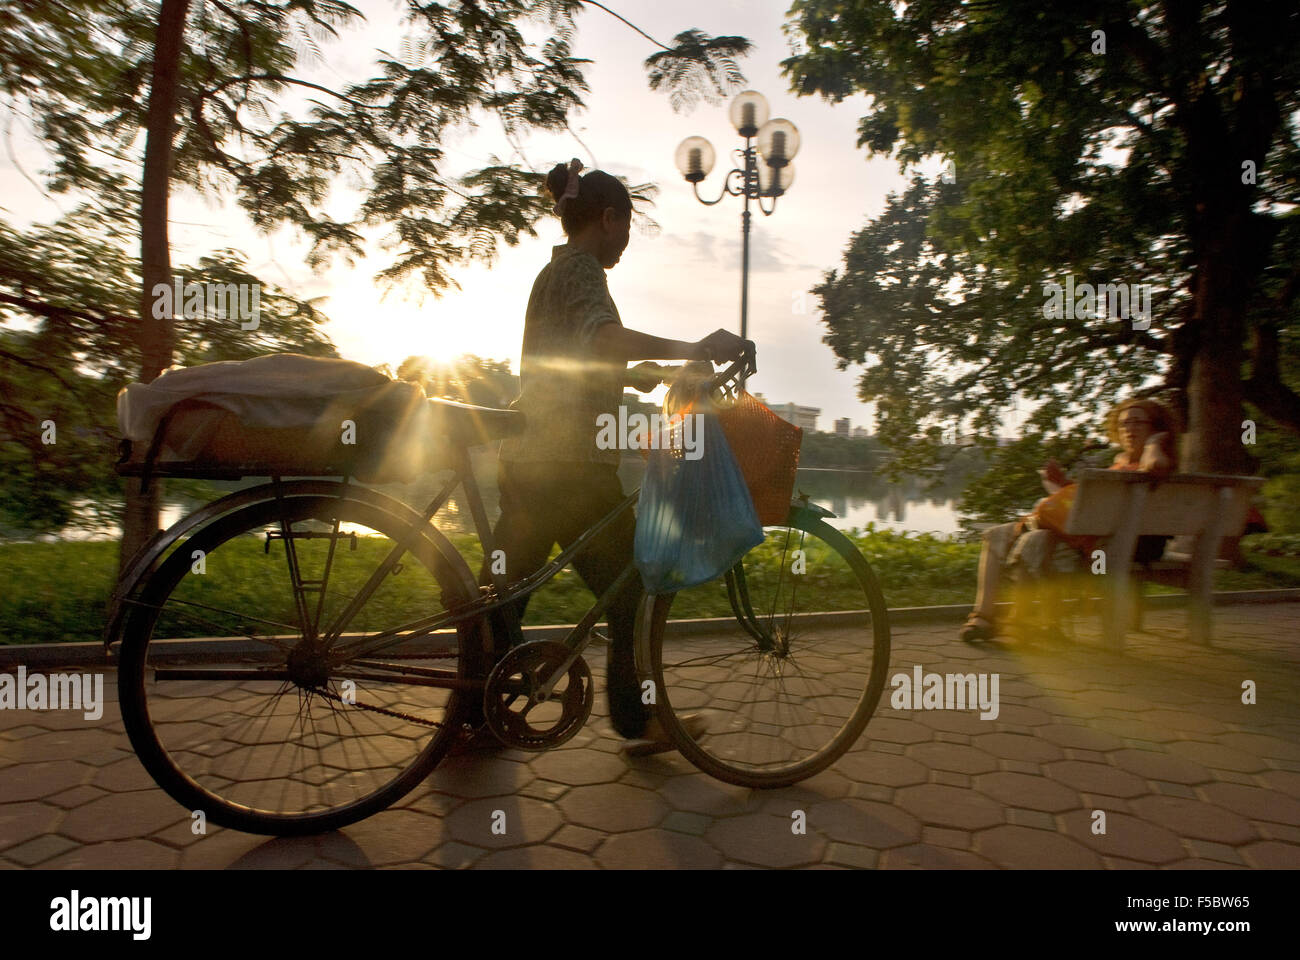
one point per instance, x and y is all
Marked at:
(856, 499)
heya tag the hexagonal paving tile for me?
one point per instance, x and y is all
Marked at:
(1024, 848)
(613, 807)
(1160, 766)
(1074, 735)
(536, 857)
(578, 767)
(881, 768)
(945, 806)
(525, 821)
(1283, 781)
(1217, 756)
(125, 854)
(1097, 778)
(952, 756)
(863, 823)
(63, 744)
(766, 840)
(700, 793)
(922, 856)
(1274, 748)
(1254, 802)
(390, 837)
(657, 850)
(894, 729)
(1022, 790)
(121, 816)
(123, 776)
(1192, 818)
(1272, 855)
(1125, 836)
(1018, 746)
(479, 776)
(19, 822)
(32, 781)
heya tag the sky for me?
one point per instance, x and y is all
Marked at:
(682, 283)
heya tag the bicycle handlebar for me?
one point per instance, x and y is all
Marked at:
(743, 367)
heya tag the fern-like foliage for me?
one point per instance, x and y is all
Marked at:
(698, 67)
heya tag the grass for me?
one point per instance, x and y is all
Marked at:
(55, 592)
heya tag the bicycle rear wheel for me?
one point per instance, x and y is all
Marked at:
(788, 679)
(249, 724)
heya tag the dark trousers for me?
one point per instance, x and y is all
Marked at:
(547, 503)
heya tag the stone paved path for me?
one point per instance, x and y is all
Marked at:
(1158, 738)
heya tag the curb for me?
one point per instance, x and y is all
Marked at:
(94, 653)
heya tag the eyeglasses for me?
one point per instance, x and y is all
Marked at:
(1133, 421)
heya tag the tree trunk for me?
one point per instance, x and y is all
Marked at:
(155, 335)
(1214, 389)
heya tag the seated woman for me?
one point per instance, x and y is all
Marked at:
(1147, 434)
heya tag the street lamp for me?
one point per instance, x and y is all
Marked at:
(777, 143)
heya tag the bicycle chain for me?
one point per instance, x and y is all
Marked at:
(374, 709)
(384, 710)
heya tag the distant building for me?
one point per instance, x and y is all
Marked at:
(842, 427)
(860, 433)
(803, 417)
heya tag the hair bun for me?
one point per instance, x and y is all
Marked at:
(557, 180)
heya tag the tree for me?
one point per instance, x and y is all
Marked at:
(199, 80)
(469, 378)
(1152, 145)
(68, 294)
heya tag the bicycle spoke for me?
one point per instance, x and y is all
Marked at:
(779, 710)
(286, 741)
(212, 623)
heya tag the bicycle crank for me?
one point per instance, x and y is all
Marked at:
(517, 705)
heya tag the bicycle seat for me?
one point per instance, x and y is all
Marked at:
(470, 425)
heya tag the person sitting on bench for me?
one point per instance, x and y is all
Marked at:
(1147, 434)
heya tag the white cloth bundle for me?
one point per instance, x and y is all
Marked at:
(311, 397)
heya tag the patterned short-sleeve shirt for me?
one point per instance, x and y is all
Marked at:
(564, 387)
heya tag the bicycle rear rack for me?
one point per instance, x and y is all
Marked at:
(308, 535)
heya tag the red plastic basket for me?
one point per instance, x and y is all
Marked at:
(765, 446)
(767, 449)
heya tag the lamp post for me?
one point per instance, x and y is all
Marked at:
(777, 143)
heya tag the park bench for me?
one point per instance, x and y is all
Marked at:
(1119, 506)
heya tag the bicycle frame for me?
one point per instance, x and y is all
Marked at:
(502, 596)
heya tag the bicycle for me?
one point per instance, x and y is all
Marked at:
(269, 676)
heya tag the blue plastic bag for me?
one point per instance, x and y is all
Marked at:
(695, 519)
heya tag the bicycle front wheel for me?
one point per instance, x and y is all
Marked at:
(788, 677)
(229, 701)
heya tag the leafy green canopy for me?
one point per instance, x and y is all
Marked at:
(68, 297)
(1104, 141)
(79, 72)
(82, 69)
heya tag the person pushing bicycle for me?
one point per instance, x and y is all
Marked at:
(555, 482)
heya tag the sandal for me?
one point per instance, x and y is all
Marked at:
(977, 628)
(655, 739)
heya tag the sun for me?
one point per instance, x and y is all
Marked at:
(484, 318)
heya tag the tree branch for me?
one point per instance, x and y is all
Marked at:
(33, 365)
(1265, 388)
(52, 312)
(628, 22)
(281, 78)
